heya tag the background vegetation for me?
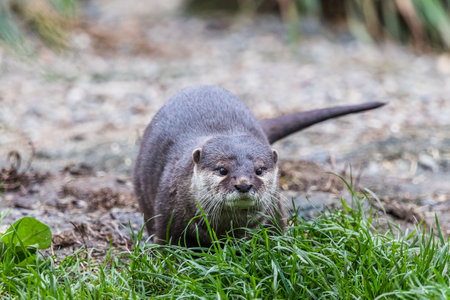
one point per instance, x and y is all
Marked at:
(422, 24)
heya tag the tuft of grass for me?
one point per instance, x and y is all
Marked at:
(10, 32)
(49, 20)
(338, 255)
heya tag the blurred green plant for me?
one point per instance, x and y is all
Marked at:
(422, 24)
(49, 20)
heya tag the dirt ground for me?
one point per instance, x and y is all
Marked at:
(70, 123)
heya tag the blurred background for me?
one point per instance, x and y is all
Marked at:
(424, 25)
(80, 80)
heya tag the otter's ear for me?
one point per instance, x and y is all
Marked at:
(275, 156)
(196, 155)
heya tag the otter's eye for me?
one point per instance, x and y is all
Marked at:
(222, 171)
(259, 171)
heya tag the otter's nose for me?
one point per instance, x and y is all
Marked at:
(243, 188)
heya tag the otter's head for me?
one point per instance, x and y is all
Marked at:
(233, 175)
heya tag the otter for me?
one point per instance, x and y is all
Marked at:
(205, 154)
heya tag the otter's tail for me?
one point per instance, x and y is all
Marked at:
(280, 127)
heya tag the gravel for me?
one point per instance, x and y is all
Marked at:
(90, 105)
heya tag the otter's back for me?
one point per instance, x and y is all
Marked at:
(203, 111)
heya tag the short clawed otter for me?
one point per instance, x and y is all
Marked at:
(205, 148)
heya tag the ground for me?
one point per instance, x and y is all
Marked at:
(75, 118)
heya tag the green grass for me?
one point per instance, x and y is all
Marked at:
(338, 255)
